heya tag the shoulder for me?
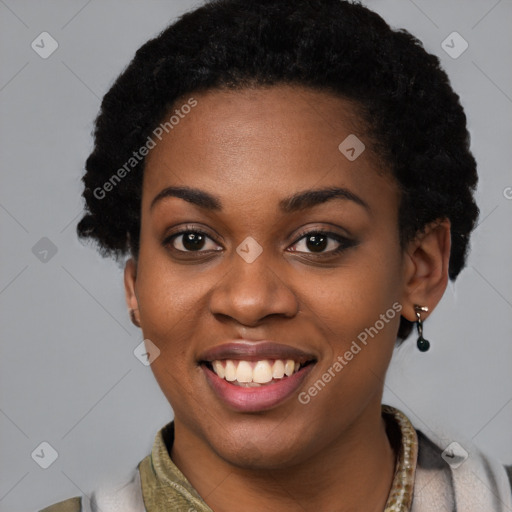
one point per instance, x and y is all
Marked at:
(463, 475)
(124, 495)
(120, 495)
(69, 505)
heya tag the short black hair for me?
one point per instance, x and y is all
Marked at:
(410, 112)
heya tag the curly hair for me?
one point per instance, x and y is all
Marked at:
(406, 104)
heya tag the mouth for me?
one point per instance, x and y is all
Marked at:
(251, 377)
(259, 373)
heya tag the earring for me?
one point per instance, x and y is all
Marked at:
(133, 319)
(423, 344)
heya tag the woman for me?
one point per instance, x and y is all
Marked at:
(293, 185)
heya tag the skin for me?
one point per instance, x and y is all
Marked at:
(252, 148)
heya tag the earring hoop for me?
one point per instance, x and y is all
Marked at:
(133, 318)
(422, 343)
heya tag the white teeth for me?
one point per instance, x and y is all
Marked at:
(230, 370)
(289, 367)
(244, 372)
(262, 372)
(278, 370)
(254, 373)
(219, 369)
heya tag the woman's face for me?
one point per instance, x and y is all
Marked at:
(263, 272)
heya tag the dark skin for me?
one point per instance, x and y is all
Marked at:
(251, 149)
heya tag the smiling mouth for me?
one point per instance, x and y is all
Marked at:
(259, 373)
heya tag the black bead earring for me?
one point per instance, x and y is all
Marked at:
(423, 344)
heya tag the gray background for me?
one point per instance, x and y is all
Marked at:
(68, 373)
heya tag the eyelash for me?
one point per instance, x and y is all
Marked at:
(345, 243)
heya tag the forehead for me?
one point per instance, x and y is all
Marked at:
(263, 143)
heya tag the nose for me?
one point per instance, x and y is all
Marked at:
(250, 292)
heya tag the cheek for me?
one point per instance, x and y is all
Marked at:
(169, 305)
(166, 292)
(352, 298)
(357, 307)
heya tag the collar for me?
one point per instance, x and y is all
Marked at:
(163, 484)
(401, 492)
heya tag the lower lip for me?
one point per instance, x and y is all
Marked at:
(254, 399)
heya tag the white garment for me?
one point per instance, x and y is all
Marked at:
(479, 484)
(125, 497)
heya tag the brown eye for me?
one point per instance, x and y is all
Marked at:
(316, 242)
(190, 241)
(322, 242)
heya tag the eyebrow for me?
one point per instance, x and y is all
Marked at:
(297, 202)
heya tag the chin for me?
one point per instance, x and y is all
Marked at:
(260, 448)
(255, 458)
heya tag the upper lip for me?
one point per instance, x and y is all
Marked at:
(255, 351)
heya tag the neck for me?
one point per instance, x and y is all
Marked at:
(355, 472)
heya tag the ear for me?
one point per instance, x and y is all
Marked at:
(130, 279)
(426, 262)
